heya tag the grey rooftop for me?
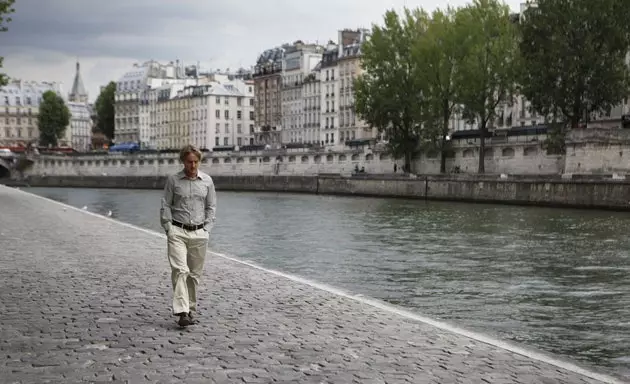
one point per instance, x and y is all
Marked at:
(85, 298)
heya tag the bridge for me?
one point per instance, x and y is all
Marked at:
(5, 169)
(13, 162)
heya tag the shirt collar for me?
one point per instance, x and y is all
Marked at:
(182, 175)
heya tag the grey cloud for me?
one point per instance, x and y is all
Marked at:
(165, 29)
(234, 31)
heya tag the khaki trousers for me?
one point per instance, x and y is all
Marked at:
(187, 255)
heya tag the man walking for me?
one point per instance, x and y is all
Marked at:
(187, 215)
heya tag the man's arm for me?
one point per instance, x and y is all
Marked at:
(166, 216)
(211, 207)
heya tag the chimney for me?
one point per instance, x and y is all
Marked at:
(340, 44)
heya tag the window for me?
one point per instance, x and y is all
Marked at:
(239, 101)
(251, 128)
(225, 141)
(227, 114)
(239, 129)
(239, 141)
(217, 114)
(251, 102)
(216, 141)
(218, 102)
(239, 115)
(227, 101)
(251, 115)
(218, 128)
(227, 128)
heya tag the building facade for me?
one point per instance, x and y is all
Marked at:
(213, 115)
(268, 97)
(130, 91)
(349, 68)
(79, 132)
(299, 61)
(19, 108)
(311, 99)
(329, 118)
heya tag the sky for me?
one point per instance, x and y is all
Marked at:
(47, 37)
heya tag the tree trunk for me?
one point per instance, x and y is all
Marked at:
(443, 156)
(482, 148)
(445, 116)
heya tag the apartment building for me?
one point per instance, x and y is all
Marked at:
(19, 108)
(214, 116)
(268, 98)
(341, 64)
(311, 99)
(79, 132)
(131, 92)
(349, 68)
(299, 61)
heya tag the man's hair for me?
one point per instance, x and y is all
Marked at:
(187, 150)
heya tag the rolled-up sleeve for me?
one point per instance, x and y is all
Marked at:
(166, 214)
(211, 206)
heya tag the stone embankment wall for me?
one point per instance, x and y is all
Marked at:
(598, 151)
(602, 193)
(509, 158)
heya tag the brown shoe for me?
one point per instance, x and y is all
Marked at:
(184, 321)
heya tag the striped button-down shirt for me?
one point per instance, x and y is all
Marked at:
(189, 201)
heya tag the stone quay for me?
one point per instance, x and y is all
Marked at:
(86, 298)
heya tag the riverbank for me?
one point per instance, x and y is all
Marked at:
(594, 193)
(257, 324)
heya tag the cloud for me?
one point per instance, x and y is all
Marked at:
(46, 37)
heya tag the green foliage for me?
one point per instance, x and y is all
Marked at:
(420, 69)
(6, 8)
(53, 119)
(441, 53)
(488, 76)
(105, 114)
(574, 56)
(389, 92)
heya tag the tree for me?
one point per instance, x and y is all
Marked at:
(53, 119)
(388, 93)
(441, 52)
(489, 74)
(6, 8)
(105, 115)
(574, 58)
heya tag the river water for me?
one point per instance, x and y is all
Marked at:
(554, 279)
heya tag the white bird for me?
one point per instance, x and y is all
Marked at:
(84, 207)
(109, 213)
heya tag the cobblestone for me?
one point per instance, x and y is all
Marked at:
(86, 299)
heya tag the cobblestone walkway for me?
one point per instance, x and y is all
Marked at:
(85, 299)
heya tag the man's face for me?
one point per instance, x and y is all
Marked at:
(191, 164)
